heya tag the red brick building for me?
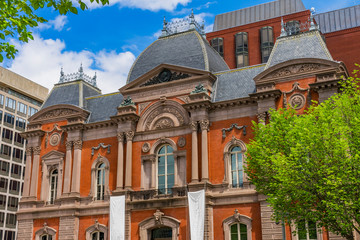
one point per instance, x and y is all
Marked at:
(173, 137)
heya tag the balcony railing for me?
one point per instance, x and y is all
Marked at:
(158, 193)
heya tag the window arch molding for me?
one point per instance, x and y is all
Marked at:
(45, 230)
(158, 220)
(100, 159)
(237, 218)
(227, 156)
(160, 142)
(97, 227)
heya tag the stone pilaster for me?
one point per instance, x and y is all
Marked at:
(25, 229)
(120, 162)
(270, 230)
(194, 153)
(75, 181)
(35, 172)
(69, 228)
(209, 223)
(128, 173)
(68, 164)
(204, 125)
(26, 190)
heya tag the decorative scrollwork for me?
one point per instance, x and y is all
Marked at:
(78, 144)
(129, 135)
(234, 125)
(165, 76)
(101, 145)
(163, 123)
(199, 89)
(127, 102)
(146, 147)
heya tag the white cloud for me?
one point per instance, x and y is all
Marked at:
(41, 60)
(152, 5)
(58, 23)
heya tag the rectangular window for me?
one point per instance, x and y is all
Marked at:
(241, 49)
(32, 111)
(15, 170)
(5, 151)
(3, 184)
(4, 168)
(266, 43)
(1, 99)
(2, 201)
(1, 115)
(17, 154)
(9, 119)
(20, 123)
(13, 203)
(218, 45)
(7, 135)
(2, 219)
(11, 220)
(22, 108)
(18, 139)
(14, 187)
(10, 104)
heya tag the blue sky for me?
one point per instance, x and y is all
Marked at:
(107, 39)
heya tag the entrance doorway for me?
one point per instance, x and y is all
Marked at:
(164, 233)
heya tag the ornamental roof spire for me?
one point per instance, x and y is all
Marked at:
(80, 75)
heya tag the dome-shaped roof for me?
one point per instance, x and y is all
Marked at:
(188, 49)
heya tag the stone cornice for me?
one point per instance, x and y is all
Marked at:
(132, 117)
(197, 105)
(232, 103)
(102, 124)
(34, 133)
(73, 127)
(318, 86)
(266, 94)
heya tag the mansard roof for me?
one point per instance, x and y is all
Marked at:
(257, 13)
(339, 19)
(103, 106)
(303, 45)
(237, 83)
(188, 49)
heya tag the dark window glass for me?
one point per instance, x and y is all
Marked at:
(3, 184)
(18, 153)
(237, 171)
(267, 42)
(16, 170)
(97, 236)
(1, 115)
(4, 167)
(2, 201)
(18, 138)
(5, 150)
(241, 49)
(165, 169)
(100, 181)
(7, 134)
(9, 235)
(218, 45)
(238, 231)
(14, 186)
(161, 233)
(2, 218)
(11, 219)
(9, 119)
(293, 27)
(20, 122)
(13, 202)
(53, 185)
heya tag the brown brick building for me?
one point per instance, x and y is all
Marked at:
(163, 157)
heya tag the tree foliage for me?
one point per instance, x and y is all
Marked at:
(17, 17)
(309, 165)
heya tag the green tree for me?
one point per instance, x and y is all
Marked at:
(309, 165)
(17, 17)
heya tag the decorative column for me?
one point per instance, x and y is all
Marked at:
(35, 172)
(75, 183)
(194, 153)
(68, 164)
(153, 172)
(26, 190)
(262, 118)
(128, 173)
(120, 162)
(44, 182)
(204, 125)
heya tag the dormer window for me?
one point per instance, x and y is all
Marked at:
(293, 27)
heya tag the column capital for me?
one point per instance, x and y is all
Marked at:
(120, 137)
(194, 125)
(68, 145)
(204, 124)
(262, 117)
(129, 135)
(28, 151)
(37, 150)
(78, 144)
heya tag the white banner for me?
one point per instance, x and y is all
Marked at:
(197, 214)
(117, 218)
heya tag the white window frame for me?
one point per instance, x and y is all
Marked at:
(53, 191)
(166, 169)
(97, 227)
(319, 232)
(93, 190)
(237, 218)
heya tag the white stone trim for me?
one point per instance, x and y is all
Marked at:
(96, 162)
(45, 230)
(237, 218)
(97, 227)
(227, 153)
(148, 224)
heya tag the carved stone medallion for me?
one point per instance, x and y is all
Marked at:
(55, 139)
(181, 142)
(297, 101)
(145, 147)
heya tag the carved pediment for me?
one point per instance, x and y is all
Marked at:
(166, 76)
(53, 155)
(296, 68)
(58, 112)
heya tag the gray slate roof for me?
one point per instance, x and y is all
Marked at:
(305, 45)
(236, 83)
(69, 93)
(339, 19)
(257, 13)
(103, 106)
(188, 49)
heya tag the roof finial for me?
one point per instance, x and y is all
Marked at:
(313, 26)
(81, 68)
(192, 20)
(93, 82)
(62, 75)
(164, 31)
(283, 31)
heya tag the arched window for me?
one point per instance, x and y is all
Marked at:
(53, 185)
(46, 237)
(97, 236)
(237, 170)
(238, 231)
(267, 43)
(241, 49)
(164, 233)
(218, 45)
(165, 169)
(100, 181)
